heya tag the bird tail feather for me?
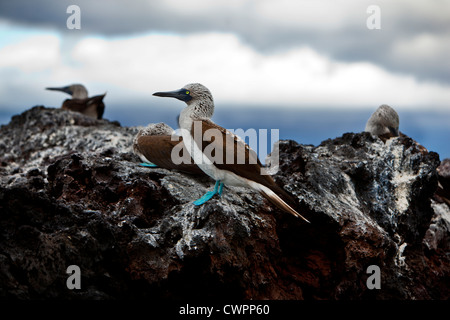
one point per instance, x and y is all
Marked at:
(277, 201)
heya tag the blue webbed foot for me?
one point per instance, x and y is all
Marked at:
(205, 198)
(148, 164)
(209, 194)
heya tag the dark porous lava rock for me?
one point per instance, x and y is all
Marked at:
(72, 193)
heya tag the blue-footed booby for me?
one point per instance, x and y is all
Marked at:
(154, 145)
(196, 125)
(80, 102)
(384, 123)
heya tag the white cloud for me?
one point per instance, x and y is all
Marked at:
(335, 28)
(423, 48)
(235, 72)
(33, 54)
(239, 74)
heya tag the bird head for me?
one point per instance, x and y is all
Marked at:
(195, 95)
(190, 93)
(77, 91)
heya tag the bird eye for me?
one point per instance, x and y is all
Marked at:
(187, 92)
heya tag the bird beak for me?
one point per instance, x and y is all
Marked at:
(63, 89)
(181, 94)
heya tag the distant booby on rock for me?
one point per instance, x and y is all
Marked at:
(154, 145)
(80, 102)
(384, 123)
(196, 126)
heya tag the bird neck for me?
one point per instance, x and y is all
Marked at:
(199, 110)
(79, 93)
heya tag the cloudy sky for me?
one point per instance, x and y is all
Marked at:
(299, 53)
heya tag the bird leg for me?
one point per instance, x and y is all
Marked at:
(218, 187)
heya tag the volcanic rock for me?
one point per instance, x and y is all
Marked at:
(72, 193)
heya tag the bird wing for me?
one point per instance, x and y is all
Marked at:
(100, 105)
(158, 150)
(85, 105)
(235, 150)
(78, 105)
(250, 169)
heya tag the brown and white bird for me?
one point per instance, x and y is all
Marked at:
(384, 123)
(155, 144)
(80, 102)
(217, 151)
